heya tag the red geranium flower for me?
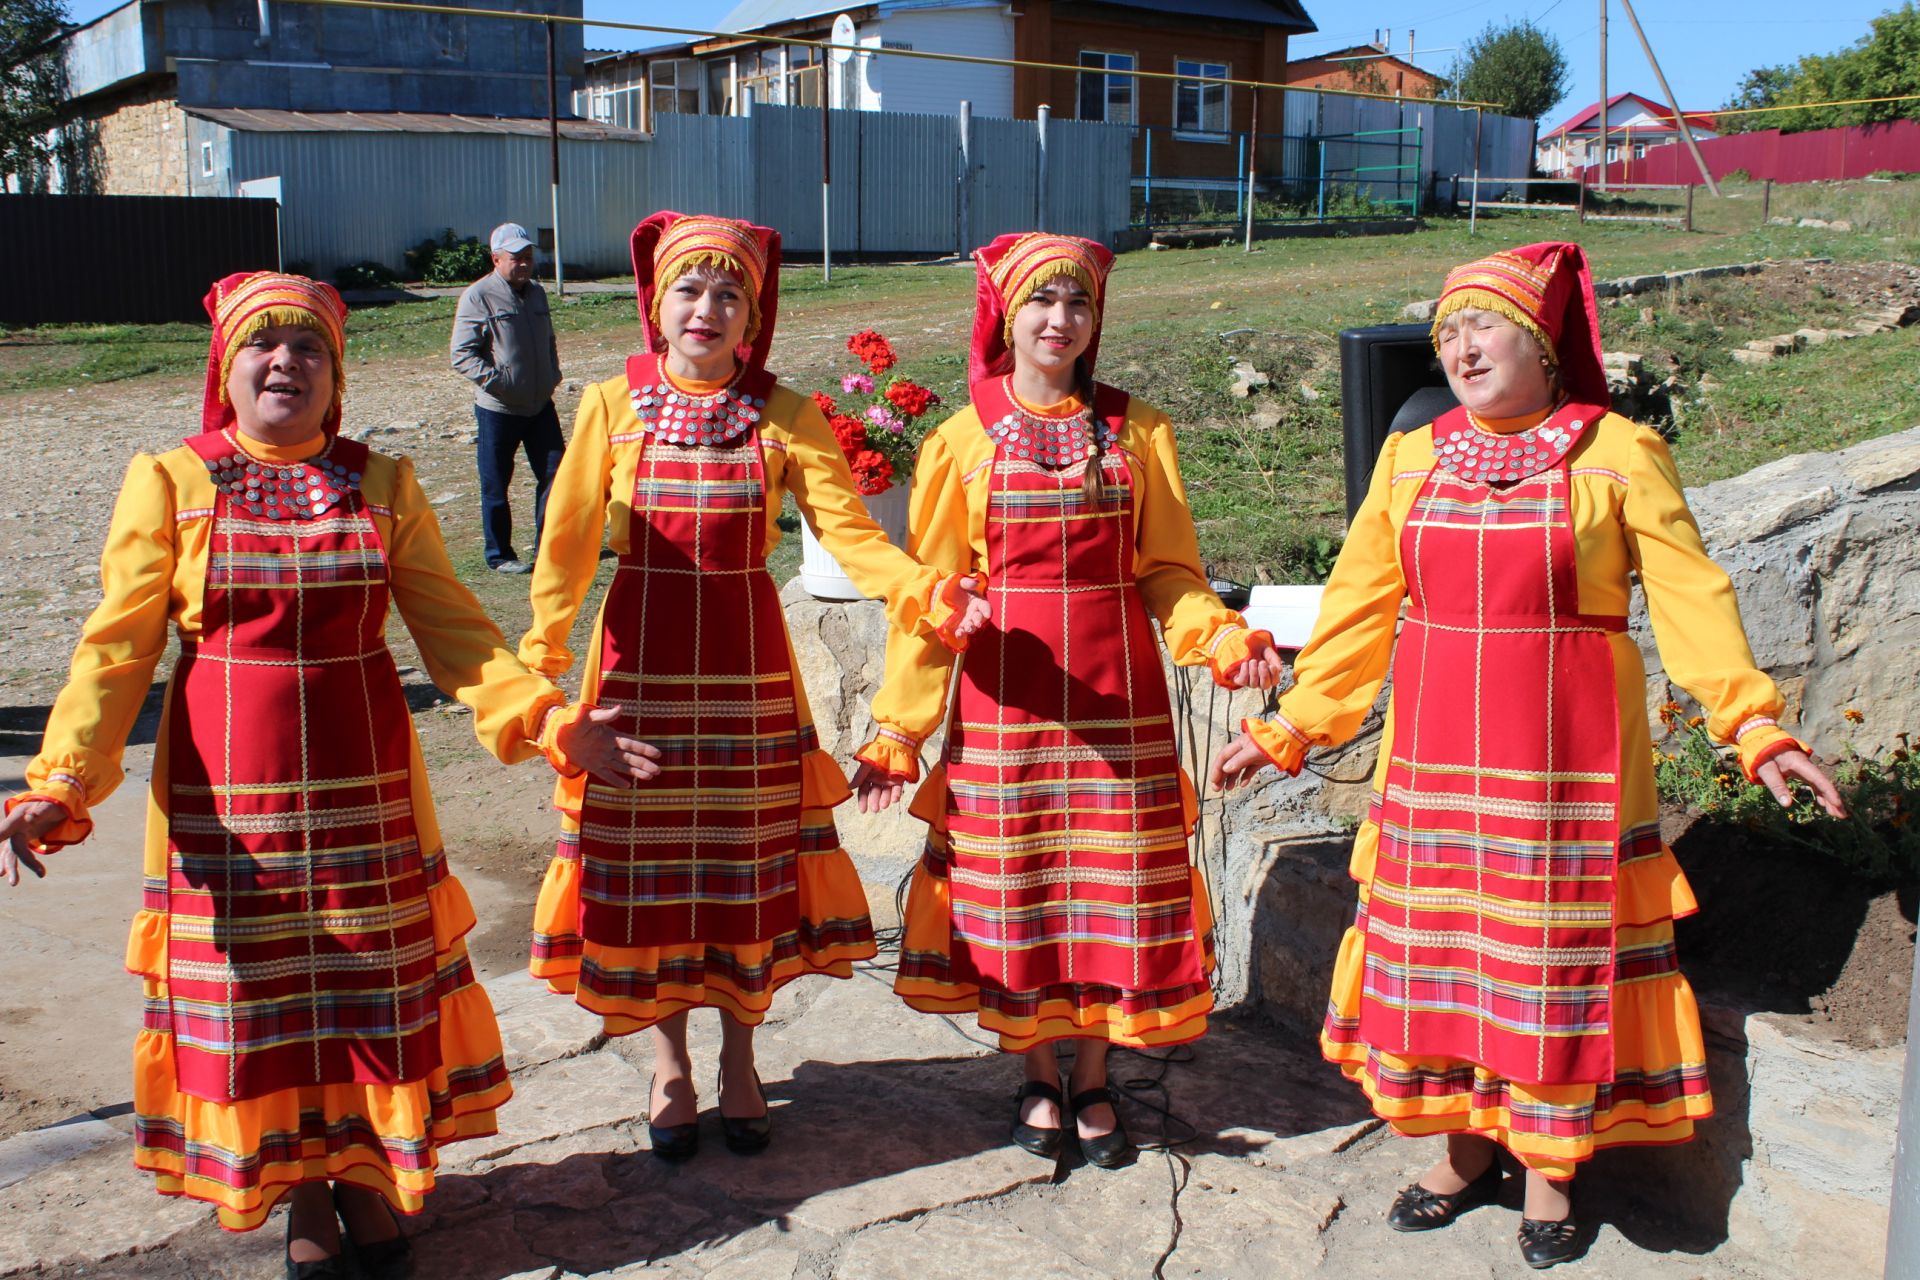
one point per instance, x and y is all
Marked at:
(911, 398)
(873, 350)
(825, 401)
(872, 473)
(850, 432)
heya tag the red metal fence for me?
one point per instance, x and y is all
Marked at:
(1818, 155)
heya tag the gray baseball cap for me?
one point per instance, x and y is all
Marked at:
(509, 237)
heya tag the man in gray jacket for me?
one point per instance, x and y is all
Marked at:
(503, 342)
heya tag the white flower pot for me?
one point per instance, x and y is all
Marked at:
(821, 574)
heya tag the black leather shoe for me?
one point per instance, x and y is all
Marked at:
(334, 1268)
(390, 1259)
(1418, 1209)
(1034, 1138)
(1109, 1150)
(1546, 1244)
(674, 1141)
(749, 1136)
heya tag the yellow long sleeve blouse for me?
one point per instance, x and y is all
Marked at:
(1629, 516)
(947, 531)
(153, 572)
(592, 499)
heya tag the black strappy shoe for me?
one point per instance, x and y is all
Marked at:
(1035, 1138)
(390, 1259)
(749, 1136)
(1109, 1150)
(1418, 1209)
(1548, 1244)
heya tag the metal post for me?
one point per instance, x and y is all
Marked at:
(1903, 1232)
(1679, 117)
(1602, 184)
(553, 143)
(1149, 176)
(1580, 185)
(1239, 206)
(1688, 225)
(1473, 208)
(1041, 115)
(1253, 163)
(826, 187)
(966, 177)
(1766, 202)
(1322, 206)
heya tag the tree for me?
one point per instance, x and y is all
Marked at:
(1883, 64)
(33, 84)
(1516, 65)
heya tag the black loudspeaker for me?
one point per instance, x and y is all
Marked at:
(1390, 381)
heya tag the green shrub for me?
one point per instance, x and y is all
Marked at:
(366, 275)
(447, 260)
(1878, 840)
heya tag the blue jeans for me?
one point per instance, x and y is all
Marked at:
(500, 435)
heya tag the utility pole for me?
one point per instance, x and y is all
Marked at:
(1602, 183)
(1678, 117)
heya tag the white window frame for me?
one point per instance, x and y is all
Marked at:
(1105, 71)
(677, 86)
(1202, 75)
(206, 159)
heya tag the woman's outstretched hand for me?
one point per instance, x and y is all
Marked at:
(974, 609)
(875, 792)
(1793, 763)
(1237, 761)
(27, 822)
(1262, 668)
(611, 757)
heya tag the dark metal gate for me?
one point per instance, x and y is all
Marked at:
(127, 259)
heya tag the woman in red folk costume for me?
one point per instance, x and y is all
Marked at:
(311, 1016)
(1055, 899)
(698, 863)
(1511, 978)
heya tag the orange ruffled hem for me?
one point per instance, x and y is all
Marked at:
(632, 988)
(1659, 1087)
(1139, 1021)
(243, 1157)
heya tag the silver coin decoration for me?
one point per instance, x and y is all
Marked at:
(1475, 454)
(1052, 442)
(296, 492)
(680, 417)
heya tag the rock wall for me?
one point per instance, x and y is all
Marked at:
(1820, 548)
(142, 144)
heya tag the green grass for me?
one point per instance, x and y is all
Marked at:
(1266, 490)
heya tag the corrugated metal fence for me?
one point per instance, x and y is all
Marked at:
(1818, 155)
(126, 259)
(1446, 140)
(898, 183)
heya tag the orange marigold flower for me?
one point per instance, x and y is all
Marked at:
(1694, 722)
(1853, 716)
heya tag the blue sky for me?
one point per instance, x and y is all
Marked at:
(1705, 46)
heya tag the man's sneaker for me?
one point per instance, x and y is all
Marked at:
(513, 566)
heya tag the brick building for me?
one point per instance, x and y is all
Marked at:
(1364, 68)
(139, 74)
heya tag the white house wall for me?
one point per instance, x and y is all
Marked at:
(921, 86)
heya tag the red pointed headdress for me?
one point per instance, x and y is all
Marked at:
(1546, 289)
(1010, 270)
(246, 302)
(667, 244)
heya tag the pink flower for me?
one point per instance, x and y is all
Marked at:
(880, 416)
(858, 383)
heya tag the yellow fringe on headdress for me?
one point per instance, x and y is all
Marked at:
(719, 260)
(1487, 300)
(1043, 276)
(272, 317)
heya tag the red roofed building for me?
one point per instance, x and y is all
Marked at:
(1635, 125)
(1364, 68)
